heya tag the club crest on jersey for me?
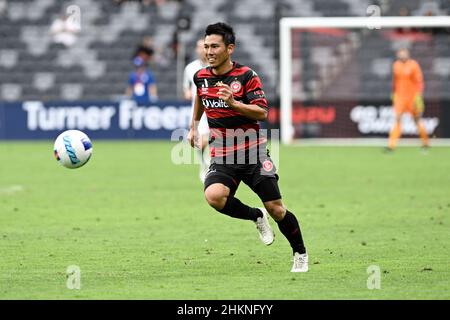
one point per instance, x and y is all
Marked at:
(235, 86)
(267, 165)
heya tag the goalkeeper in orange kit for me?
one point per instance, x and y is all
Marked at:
(407, 96)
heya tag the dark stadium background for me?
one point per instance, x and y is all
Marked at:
(93, 72)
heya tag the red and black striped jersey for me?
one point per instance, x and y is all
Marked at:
(225, 123)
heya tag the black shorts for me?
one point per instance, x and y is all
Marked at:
(260, 177)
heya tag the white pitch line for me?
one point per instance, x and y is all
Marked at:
(11, 189)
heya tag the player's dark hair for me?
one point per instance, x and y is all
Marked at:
(223, 30)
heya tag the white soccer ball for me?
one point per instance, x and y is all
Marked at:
(73, 149)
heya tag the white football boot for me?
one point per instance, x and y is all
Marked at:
(265, 230)
(300, 262)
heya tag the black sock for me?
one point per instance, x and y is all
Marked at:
(290, 228)
(236, 209)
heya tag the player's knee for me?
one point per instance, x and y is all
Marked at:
(276, 210)
(216, 195)
(215, 199)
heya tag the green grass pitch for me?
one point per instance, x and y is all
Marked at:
(138, 226)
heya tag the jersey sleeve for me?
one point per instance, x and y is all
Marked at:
(254, 92)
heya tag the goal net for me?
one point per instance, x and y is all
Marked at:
(336, 75)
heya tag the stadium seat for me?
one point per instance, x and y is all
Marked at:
(111, 33)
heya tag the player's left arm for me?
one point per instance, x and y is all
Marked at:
(418, 79)
(129, 91)
(152, 88)
(153, 91)
(256, 109)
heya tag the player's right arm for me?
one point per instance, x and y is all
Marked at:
(129, 89)
(196, 116)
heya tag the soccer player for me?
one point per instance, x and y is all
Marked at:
(407, 96)
(232, 97)
(190, 91)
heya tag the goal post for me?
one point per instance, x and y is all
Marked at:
(287, 25)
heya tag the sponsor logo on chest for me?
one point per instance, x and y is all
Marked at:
(214, 103)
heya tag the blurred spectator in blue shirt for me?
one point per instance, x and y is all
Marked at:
(141, 84)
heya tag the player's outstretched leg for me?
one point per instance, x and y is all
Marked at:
(218, 196)
(290, 228)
